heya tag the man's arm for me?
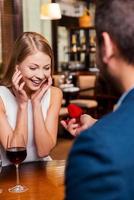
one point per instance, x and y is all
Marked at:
(91, 173)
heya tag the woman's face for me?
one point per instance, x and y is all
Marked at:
(35, 69)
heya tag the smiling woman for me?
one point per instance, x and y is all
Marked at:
(29, 105)
(34, 72)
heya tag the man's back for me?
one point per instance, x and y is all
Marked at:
(101, 163)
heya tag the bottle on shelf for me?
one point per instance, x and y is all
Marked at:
(75, 48)
(83, 43)
(92, 43)
(74, 44)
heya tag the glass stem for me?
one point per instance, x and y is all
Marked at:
(17, 174)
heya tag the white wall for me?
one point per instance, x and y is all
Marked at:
(31, 18)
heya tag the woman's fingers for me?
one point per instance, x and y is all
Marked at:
(16, 79)
(21, 86)
(18, 86)
(21, 90)
(16, 73)
(45, 86)
(50, 81)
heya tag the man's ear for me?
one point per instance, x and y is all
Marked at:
(108, 50)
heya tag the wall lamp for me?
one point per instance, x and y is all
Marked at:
(50, 11)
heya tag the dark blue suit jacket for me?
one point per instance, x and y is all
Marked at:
(101, 163)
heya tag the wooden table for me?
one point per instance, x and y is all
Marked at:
(39, 177)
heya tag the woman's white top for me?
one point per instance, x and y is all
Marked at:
(11, 106)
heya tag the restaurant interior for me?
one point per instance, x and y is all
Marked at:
(69, 27)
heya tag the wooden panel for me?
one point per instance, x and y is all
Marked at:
(11, 26)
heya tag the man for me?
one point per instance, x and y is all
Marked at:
(101, 163)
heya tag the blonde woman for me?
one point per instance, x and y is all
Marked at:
(29, 105)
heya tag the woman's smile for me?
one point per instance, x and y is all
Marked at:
(34, 71)
(36, 82)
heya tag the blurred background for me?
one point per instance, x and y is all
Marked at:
(69, 27)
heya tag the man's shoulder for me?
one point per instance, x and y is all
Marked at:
(110, 126)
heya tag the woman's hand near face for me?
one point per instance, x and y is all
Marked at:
(18, 87)
(37, 96)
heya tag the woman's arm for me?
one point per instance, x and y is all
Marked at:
(21, 126)
(6, 129)
(45, 132)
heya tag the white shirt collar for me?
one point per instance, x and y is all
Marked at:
(121, 99)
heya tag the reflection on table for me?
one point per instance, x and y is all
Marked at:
(45, 181)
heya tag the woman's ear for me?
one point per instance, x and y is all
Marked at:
(108, 50)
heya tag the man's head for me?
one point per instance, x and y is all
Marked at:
(114, 22)
(116, 17)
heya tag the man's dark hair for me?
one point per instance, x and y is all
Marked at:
(116, 17)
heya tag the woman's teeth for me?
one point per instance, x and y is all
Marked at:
(39, 82)
(36, 82)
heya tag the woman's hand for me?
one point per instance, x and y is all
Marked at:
(37, 96)
(74, 128)
(18, 87)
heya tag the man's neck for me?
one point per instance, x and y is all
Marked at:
(124, 72)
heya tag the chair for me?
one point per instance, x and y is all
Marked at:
(87, 86)
(63, 112)
(86, 98)
(56, 82)
(56, 79)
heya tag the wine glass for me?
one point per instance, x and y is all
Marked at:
(0, 170)
(16, 154)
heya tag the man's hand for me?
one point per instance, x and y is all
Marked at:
(71, 126)
(75, 128)
(86, 122)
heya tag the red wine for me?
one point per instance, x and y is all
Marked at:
(16, 154)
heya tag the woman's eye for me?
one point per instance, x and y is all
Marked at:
(46, 68)
(32, 68)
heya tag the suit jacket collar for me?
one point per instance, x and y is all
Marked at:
(125, 97)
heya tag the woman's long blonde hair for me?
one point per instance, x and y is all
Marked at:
(26, 44)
